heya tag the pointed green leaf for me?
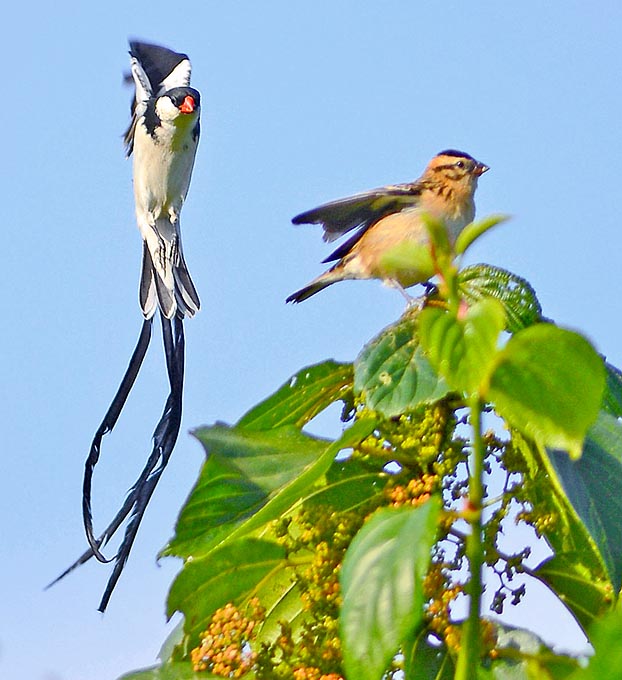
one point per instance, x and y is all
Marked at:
(392, 374)
(549, 383)
(518, 298)
(297, 490)
(250, 478)
(473, 231)
(381, 581)
(302, 397)
(463, 351)
(230, 573)
(243, 469)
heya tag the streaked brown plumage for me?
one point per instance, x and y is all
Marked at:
(390, 216)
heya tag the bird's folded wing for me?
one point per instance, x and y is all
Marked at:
(359, 211)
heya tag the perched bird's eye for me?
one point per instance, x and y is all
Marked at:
(460, 164)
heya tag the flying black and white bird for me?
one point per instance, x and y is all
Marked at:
(162, 137)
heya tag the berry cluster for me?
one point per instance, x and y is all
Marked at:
(225, 646)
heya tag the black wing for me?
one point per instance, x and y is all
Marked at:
(155, 70)
(359, 212)
(159, 63)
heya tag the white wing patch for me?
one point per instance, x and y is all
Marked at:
(178, 77)
(143, 87)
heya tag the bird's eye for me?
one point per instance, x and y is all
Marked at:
(460, 164)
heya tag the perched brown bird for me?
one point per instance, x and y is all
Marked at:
(391, 216)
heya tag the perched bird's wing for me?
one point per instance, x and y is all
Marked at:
(359, 212)
(155, 70)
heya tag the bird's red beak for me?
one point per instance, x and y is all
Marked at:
(187, 105)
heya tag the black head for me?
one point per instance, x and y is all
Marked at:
(186, 99)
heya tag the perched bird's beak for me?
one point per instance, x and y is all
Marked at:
(481, 169)
(188, 106)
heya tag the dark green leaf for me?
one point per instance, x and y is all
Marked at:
(549, 383)
(392, 374)
(593, 486)
(612, 397)
(422, 661)
(576, 573)
(518, 298)
(463, 351)
(301, 398)
(381, 581)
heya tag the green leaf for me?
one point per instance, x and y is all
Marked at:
(569, 578)
(612, 397)
(474, 230)
(606, 664)
(250, 478)
(230, 573)
(173, 639)
(408, 256)
(422, 661)
(592, 485)
(243, 469)
(439, 235)
(169, 671)
(548, 383)
(518, 298)
(576, 573)
(302, 397)
(348, 486)
(463, 351)
(297, 490)
(392, 374)
(381, 581)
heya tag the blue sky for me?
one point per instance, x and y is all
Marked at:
(302, 103)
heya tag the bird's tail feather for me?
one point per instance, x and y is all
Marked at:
(185, 292)
(181, 298)
(147, 289)
(314, 287)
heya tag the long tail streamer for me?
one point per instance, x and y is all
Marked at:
(164, 439)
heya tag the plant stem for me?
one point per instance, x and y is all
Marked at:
(470, 651)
